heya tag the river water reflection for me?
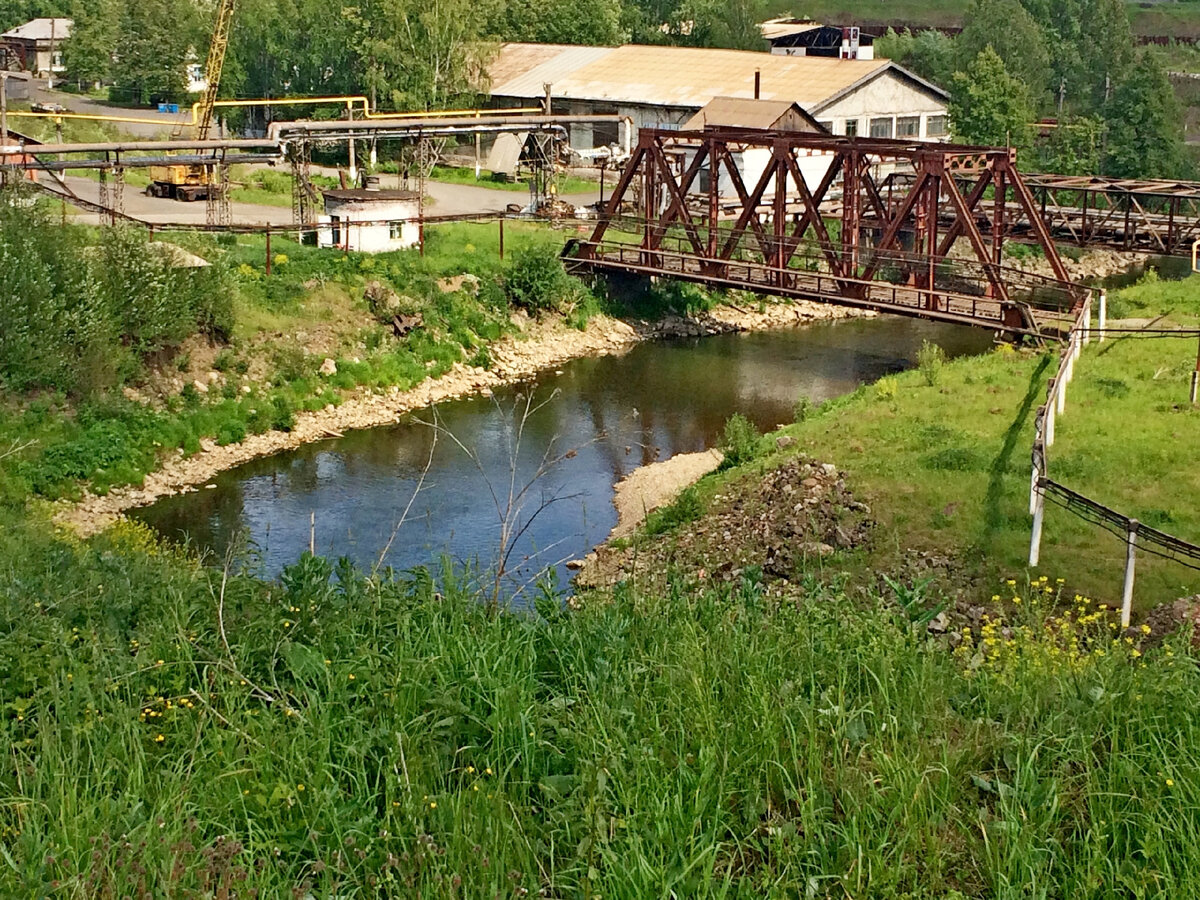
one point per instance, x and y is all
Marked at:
(616, 413)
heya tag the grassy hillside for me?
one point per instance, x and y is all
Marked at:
(941, 456)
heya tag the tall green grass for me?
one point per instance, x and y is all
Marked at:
(170, 730)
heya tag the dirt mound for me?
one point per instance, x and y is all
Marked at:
(794, 515)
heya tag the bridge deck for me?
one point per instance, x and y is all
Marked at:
(940, 304)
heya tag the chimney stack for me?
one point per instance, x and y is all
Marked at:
(757, 83)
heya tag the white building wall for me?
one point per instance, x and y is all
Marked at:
(888, 97)
(369, 226)
(753, 161)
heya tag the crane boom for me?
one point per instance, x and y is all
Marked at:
(213, 67)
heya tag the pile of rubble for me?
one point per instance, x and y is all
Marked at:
(793, 517)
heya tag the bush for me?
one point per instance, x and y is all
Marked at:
(740, 441)
(930, 360)
(82, 315)
(537, 281)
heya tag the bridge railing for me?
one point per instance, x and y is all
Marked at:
(960, 274)
(939, 302)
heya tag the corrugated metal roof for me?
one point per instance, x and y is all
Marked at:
(687, 77)
(552, 68)
(734, 112)
(514, 60)
(40, 30)
(358, 194)
(777, 28)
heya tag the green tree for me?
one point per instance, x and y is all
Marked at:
(1145, 134)
(1106, 48)
(156, 37)
(1006, 27)
(561, 22)
(88, 52)
(18, 12)
(1073, 148)
(930, 54)
(988, 105)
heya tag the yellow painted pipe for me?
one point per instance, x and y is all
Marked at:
(349, 102)
(94, 118)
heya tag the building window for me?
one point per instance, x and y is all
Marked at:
(936, 126)
(828, 126)
(851, 127)
(335, 231)
(396, 231)
(882, 127)
(908, 126)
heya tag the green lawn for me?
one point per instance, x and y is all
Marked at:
(946, 467)
(453, 175)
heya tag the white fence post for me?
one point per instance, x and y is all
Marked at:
(1033, 491)
(1130, 553)
(1050, 409)
(1103, 313)
(1035, 538)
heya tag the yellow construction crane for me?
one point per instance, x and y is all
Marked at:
(194, 182)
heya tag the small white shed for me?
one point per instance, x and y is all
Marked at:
(370, 220)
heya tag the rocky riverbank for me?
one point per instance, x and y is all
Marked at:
(541, 345)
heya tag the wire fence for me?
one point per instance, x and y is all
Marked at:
(1043, 488)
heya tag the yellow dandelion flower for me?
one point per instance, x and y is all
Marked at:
(433, 804)
(299, 787)
(158, 738)
(351, 676)
(1145, 629)
(1170, 782)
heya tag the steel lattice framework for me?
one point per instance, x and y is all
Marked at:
(826, 218)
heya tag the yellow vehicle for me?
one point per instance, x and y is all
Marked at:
(182, 182)
(195, 181)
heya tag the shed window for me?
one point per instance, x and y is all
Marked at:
(908, 126)
(882, 127)
(935, 126)
(396, 230)
(851, 127)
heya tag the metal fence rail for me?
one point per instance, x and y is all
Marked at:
(1043, 487)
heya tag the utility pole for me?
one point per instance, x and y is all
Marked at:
(3, 109)
(50, 74)
(4, 125)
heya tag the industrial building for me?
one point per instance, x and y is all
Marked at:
(370, 220)
(800, 37)
(751, 162)
(664, 87)
(37, 45)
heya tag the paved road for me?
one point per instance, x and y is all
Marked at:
(448, 199)
(78, 104)
(162, 210)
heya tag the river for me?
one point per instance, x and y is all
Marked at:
(604, 416)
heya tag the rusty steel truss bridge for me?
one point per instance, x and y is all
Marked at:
(903, 227)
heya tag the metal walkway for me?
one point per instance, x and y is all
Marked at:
(811, 216)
